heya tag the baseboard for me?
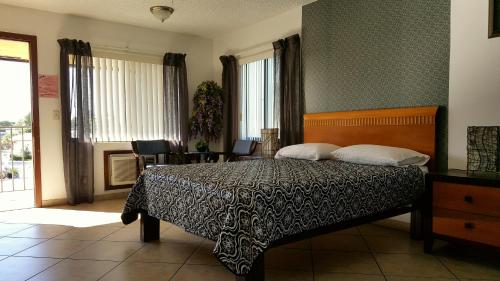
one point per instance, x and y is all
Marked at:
(111, 196)
(99, 197)
(54, 202)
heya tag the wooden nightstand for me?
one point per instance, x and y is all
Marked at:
(462, 206)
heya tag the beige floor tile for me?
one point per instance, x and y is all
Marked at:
(413, 278)
(60, 216)
(175, 234)
(302, 244)
(476, 279)
(345, 262)
(288, 259)
(115, 224)
(164, 252)
(88, 233)
(108, 250)
(22, 268)
(76, 270)
(204, 255)
(191, 272)
(420, 265)
(329, 276)
(9, 228)
(10, 246)
(372, 229)
(115, 206)
(287, 275)
(125, 234)
(55, 249)
(395, 244)
(347, 231)
(340, 242)
(473, 268)
(140, 271)
(350, 231)
(42, 231)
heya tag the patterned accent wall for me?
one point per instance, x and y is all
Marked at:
(365, 54)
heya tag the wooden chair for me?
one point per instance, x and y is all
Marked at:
(149, 151)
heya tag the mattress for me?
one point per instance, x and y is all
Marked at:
(245, 206)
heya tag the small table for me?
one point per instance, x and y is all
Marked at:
(207, 156)
(462, 206)
(254, 157)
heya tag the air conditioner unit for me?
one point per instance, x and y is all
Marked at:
(122, 169)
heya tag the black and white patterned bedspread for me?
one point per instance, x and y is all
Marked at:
(245, 206)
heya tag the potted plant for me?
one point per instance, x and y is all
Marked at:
(201, 146)
(11, 173)
(206, 121)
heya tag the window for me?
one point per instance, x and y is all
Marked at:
(128, 100)
(256, 98)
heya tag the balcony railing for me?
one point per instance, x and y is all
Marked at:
(16, 158)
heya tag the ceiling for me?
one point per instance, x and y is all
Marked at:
(206, 18)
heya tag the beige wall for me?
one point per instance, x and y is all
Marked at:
(254, 36)
(474, 97)
(48, 27)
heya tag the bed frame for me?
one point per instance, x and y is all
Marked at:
(413, 128)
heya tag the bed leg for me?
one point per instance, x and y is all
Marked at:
(150, 228)
(257, 272)
(416, 224)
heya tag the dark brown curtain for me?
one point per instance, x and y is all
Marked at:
(176, 98)
(77, 119)
(289, 97)
(230, 88)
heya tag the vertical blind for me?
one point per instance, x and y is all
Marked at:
(256, 98)
(128, 100)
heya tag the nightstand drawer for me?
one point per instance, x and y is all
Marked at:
(483, 229)
(467, 198)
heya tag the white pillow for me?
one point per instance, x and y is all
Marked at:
(307, 151)
(371, 154)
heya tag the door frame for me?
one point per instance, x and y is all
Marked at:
(35, 126)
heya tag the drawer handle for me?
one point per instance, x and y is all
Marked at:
(469, 225)
(468, 199)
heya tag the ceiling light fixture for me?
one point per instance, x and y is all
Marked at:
(161, 12)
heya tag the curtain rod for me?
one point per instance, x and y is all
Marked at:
(127, 50)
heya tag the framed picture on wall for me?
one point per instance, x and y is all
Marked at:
(494, 19)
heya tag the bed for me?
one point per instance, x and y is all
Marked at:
(248, 207)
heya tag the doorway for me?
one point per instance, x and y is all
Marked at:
(20, 176)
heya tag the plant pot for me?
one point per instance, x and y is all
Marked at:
(9, 175)
(201, 146)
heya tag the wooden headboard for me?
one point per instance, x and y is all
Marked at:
(413, 128)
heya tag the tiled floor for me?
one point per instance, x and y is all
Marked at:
(19, 199)
(88, 242)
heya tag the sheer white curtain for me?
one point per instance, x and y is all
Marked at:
(128, 100)
(256, 98)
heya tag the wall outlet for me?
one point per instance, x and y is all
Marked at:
(56, 114)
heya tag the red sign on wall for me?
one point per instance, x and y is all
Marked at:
(48, 86)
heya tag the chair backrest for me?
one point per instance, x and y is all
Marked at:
(152, 147)
(244, 147)
(134, 147)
